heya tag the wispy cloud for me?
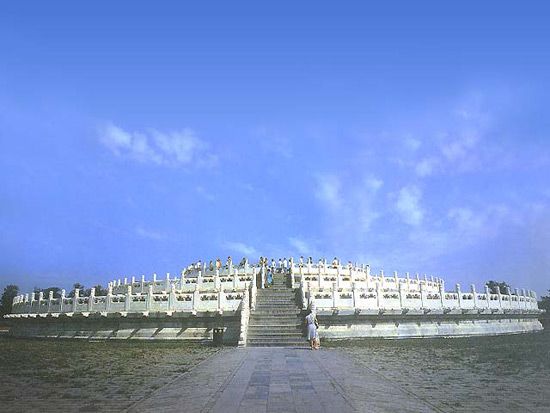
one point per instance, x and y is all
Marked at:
(301, 245)
(146, 233)
(153, 146)
(328, 190)
(408, 205)
(241, 248)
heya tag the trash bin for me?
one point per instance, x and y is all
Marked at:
(218, 336)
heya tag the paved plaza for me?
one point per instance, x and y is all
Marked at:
(283, 380)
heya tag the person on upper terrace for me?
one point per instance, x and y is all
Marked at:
(243, 262)
(199, 265)
(211, 266)
(273, 265)
(335, 262)
(280, 265)
(301, 260)
(218, 264)
(350, 265)
(229, 261)
(309, 260)
(285, 263)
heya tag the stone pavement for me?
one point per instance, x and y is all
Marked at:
(282, 380)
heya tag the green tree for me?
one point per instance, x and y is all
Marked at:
(7, 298)
(544, 303)
(494, 284)
(46, 291)
(76, 286)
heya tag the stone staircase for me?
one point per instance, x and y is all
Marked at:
(277, 318)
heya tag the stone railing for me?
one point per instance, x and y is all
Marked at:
(380, 295)
(329, 287)
(198, 300)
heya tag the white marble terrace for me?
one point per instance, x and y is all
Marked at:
(333, 288)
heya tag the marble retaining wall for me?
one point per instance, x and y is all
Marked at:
(132, 327)
(397, 326)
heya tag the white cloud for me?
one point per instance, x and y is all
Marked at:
(328, 190)
(300, 245)
(246, 250)
(176, 148)
(408, 205)
(426, 167)
(145, 233)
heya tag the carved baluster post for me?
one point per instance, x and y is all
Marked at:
(474, 295)
(401, 296)
(172, 298)
(422, 296)
(196, 298)
(379, 297)
(128, 298)
(442, 294)
(459, 296)
(217, 282)
(75, 299)
(396, 279)
(40, 299)
(488, 296)
(499, 296)
(50, 298)
(108, 299)
(235, 279)
(334, 295)
(353, 295)
(150, 295)
(368, 272)
(167, 287)
(61, 300)
(142, 287)
(91, 299)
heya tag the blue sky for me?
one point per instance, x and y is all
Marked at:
(138, 138)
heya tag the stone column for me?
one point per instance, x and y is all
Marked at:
(150, 294)
(128, 298)
(217, 283)
(196, 298)
(75, 299)
(253, 290)
(50, 298)
(108, 298)
(61, 301)
(91, 300)
(172, 298)
(167, 286)
(235, 279)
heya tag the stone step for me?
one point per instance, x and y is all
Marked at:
(282, 304)
(272, 342)
(268, 327)
(274, 334)
(274, 313)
